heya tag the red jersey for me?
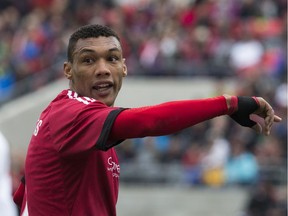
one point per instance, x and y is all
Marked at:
(71, 167)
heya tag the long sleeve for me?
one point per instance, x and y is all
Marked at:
(166, 118)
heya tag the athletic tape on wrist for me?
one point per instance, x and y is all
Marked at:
(246, 106)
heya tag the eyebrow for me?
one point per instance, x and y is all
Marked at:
(93, 51)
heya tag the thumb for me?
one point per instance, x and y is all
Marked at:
(258, 128)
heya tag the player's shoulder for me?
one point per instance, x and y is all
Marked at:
(69, 98)
(75, 97)
(67, 104)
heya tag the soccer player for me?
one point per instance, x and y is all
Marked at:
(71, 166)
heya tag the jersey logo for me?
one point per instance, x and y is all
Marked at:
(113, 167)
(84, 100)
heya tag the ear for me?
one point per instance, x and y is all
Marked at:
(67, 70)
(124, 68)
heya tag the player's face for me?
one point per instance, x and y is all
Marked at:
(97, 69)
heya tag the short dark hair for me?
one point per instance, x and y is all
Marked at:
(88, 31)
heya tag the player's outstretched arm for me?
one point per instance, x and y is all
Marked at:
(170, 117)
(242, 107)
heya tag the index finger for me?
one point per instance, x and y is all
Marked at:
(277, 118)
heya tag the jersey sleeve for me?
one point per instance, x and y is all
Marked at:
(167, 118)
(77, 127)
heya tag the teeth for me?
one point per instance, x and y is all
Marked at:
(102, 86)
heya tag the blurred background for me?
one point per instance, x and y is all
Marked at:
(174, 49)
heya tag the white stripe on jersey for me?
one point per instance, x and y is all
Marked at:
(90, 99)
(25, 212)
(69, 94)
(85, 100)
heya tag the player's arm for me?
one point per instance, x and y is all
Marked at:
(170, 117)
(166, 118)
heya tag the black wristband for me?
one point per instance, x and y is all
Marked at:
(246, 106)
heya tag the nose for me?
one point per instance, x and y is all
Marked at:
(102, 69)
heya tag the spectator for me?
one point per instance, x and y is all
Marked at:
(242, 166)
(264, 201)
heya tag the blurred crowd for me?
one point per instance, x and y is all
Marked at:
(160, 38)
(242, 39)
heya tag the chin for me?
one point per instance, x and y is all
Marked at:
(107, 102)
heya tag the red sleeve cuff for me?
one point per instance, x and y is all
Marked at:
(233, 105)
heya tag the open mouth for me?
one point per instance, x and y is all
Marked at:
(101, 87)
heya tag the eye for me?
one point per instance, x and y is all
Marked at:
(87, 60)
(113, 58)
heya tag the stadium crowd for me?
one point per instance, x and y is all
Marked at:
(160, 38)
(241, 39)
